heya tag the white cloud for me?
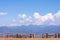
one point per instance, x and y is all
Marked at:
(57, 18)
(22, 16)
(41, 20)
(37, 19)
(36, 15)
(3, 13)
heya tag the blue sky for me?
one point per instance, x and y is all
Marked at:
(12, 8)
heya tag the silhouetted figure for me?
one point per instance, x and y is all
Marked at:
(55, 35)
(46, 35)
(17, 36)
(31, 35)
(7, 36)
(20, 36)
(42, 36)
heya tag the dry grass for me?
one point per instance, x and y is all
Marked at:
(29, 38)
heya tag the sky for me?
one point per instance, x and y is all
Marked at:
(29, 12)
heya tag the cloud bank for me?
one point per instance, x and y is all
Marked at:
(37, 19)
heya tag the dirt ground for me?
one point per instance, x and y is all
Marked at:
(29, 38)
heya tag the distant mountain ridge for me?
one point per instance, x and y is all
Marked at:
(31, 29)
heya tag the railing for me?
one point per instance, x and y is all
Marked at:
(30, 35)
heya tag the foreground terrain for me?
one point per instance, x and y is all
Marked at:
(29, 38)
